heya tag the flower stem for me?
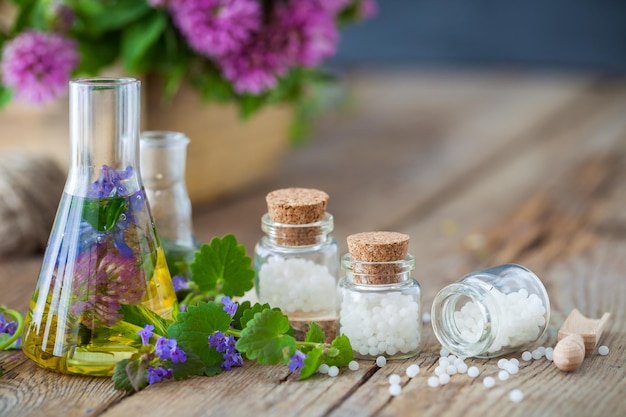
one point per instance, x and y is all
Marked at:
(20, 326)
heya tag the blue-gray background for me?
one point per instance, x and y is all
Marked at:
(586, 35)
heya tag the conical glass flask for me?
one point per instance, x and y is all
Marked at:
(163, 156)
(104, 274)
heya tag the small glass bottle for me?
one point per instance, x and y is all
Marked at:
(379, 302)
(491, 312)
(297, 261)
(104, 274)
(163, 157)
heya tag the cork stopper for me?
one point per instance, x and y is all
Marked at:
(380, 253)
(297, 206)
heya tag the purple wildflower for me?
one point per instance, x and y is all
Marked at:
(229, 306)
(146, 333)
(179, 282)
(110, 182)
(37, 66)
(257, 66)
(309, 30)
(296, 362)
(158, 374)
(164, 347)
(108, 279)
(64, 17)
(226, 344)
(177, 355)
(158, 3)
(232, 359)
(182, 307)
(215, 27)
(334, 6)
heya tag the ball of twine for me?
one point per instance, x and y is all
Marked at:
(30, 190)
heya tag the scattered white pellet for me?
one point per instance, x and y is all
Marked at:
(381, 361)
(444, 379)
(353, 366)
(444, 352)
(323, 369)
(451, 370)
(333, 371)
(549, 353)
(503, 375)
(502, 363)
(395, 390)
(527, 356)
(489, 382)
(511, 368)
(426, 318)
(473, 371)
(462, 368)
(440, 370)
(444, 362)
(433, 381)
(394, 379)
(537, 354)
(514, 361)
(452, 358)
(516, 395)
(412, 370)
(603, 350)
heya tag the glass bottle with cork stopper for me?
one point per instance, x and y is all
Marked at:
(379, 302)
(297, 261)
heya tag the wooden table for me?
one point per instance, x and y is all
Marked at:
(479, 169)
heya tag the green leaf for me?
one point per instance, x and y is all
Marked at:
(341, 352)
(312, 362)
(223, 266)
(250, 104)
(96, 54)
(140, 315)
(265, 338)
(31, 15)
(248, 314)
(136, 371)
(120, 377)
(97, 17)
(192, 329)
(139, 37)
(315, 334)
(102, 214)
(5, 96)
(193, 365)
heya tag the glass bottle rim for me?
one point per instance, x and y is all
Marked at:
(403, 265)
(163, 138)
(325, 226)
(104, 82)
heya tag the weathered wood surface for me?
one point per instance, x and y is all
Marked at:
(479, 170)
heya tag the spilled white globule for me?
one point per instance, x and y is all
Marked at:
(296, 285)
(521, 322)
(380, 323)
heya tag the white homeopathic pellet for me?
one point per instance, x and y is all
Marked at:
(433, 381)
(527, 356)
(296, 285)
(381, 361)
(603, 350)
(473, 371)
(426, 318)
(323, 369)
(549, 353)
(444, 379)
(462, 368)
(394, 379)
(503, 375)
(489, 382)
(353, 366)
(333, 371)
(516, 395)
(412, 370)
(444, 352)
(395, 390)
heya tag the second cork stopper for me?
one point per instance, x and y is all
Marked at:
(295, 210)
(378, 255)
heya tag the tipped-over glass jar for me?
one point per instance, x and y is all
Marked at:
(380, 308)
(491, 312)
(297, 268)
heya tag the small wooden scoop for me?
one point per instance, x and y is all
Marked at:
(578, 337)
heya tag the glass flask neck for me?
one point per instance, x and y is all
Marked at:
(309, 234)
(163, 157)
(378, 273)
(104, 131)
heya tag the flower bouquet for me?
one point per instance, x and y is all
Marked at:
(250, 52)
